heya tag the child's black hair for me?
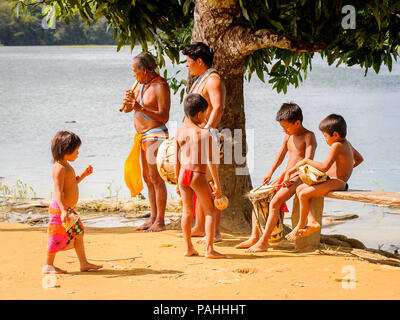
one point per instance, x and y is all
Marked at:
(332, 123)
(290, 112)
(64, 142)
(193, 104)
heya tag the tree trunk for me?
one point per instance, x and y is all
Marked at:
(209, 27)
(237, 218)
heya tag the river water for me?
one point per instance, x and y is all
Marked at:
(45, 89)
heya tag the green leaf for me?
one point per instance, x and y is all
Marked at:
(115, 36)
(376, 67)
(260, 74)
(389, 62)
(318, 10)
(121, 41)
(276, 24)
(186, 6)
(285, 85)
(244, 10)
(275, 68)
(99, 10)
(182, 94)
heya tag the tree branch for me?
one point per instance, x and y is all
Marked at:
(244, 41)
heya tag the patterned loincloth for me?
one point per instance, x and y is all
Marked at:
(62, 235)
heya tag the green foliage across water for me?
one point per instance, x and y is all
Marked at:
(27, 29)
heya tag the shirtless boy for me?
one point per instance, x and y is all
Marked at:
(196, 150)
(210, 85)
(65, 226)
(338, 165)
(300, 143)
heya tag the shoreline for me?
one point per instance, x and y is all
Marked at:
(115, 213)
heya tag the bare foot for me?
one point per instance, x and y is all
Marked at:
(309, 229)
(204, 240)
(47, 269)
(89, 266)
(194, 233)
(294, 235)
(212, 254)
(145, 225)
(191, 252)
(156, 227)
(258, 247)
(247, 244)
(198, 232)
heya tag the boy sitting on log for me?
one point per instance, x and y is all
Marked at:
(338, 165)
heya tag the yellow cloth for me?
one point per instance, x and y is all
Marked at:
(132, 170)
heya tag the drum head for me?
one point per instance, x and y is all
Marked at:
(310, 175)
(166, 161)
(261, 192)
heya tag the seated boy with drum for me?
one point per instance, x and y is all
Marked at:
(338, 165)
(195, 151)
(300, 144)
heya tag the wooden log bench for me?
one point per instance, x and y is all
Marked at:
(312, 242)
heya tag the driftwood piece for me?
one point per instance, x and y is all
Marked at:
(135, 206)
(376, 197)
(375, 257)
(341, 241)
(343, 217)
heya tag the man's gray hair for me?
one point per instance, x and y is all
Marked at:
(146, 61)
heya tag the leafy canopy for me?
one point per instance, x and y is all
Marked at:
(168, 24)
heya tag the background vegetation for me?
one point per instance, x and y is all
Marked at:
(27, 30)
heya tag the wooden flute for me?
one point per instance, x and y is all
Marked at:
(133, 88)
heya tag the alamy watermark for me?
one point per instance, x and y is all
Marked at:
(349, 20)
(235, 150)
(349, 280)
(49, 20)
(49, 280)
(49, 13)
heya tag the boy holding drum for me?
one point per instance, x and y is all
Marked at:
(338, 165)
(195, 151)
(300, 144)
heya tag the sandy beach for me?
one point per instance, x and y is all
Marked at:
(160, 270)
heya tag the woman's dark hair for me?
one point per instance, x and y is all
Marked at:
(64, 142)
(193, 104)
(290, 112)
(332, 123)
(199, 50)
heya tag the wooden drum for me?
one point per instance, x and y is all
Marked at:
(310, 175)
(260, 198)
(166, 163)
